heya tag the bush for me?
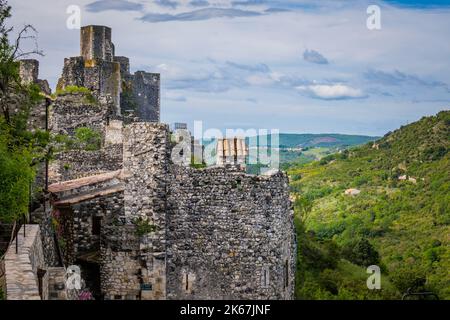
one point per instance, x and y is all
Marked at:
(361, 252)
(87, 139)
(409, 278)
(74, 90)
(143, 226)
(16, 175)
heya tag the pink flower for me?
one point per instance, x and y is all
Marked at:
(85, 295)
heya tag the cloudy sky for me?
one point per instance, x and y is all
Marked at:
(293, 65)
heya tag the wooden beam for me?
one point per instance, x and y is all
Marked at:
(89, 195)
(81, 182)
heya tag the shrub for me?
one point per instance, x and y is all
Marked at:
(87, 139)
(74, 90)
(143, 226)
(409, 277)
(361, 252)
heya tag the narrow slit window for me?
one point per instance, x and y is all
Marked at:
(265, 277)
(96, 225)
(286, 274)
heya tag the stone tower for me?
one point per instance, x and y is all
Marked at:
(134, 96)
(95, 43)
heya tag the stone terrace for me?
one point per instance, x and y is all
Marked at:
(21, 268)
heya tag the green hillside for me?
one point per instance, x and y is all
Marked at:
(299, 148)
(292, 140)
(304, 148)
(400, 220)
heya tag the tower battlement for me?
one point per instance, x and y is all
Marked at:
(135, 96)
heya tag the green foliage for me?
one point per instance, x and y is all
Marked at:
(195, 163)
(409, 277)
(89, 97)
(324, 274)
(20, 148)
(16, 175)
(303, 206)
(87, 139)
(402, 226)
(84, 139)
(361, 252)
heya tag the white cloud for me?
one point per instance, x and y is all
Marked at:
(119, 5)
(332, 92)
(269, 47)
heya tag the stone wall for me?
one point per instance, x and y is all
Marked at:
(102, 77)
(56, 283)
(146, 92)
(107, 210)
(221, 233)
(120, 262)
(230, 235)
(113, 133)
(140, 95)
(107, 75)
(79, 163)
(43, 217)
(146, 160)
(72, 111)
(29, 71)
(72, 74)
(22, 267)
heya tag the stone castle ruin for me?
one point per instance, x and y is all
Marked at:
(107, 75)
(141, 226)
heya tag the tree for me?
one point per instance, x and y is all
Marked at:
(303, 205)
(409, 277)
(10, 53)
(361, 252)
(20, 149)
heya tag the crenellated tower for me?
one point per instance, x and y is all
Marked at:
(136, 97)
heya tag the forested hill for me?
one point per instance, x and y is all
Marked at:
(398, 217)
(293, 140)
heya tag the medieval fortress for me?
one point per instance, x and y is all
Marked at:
(138, 225)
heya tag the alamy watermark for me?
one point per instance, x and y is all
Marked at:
(73, 278)
(374, 280)
(258, 146)
(74, 19)
(374, 20)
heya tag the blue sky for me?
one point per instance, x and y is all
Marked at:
(293, 65)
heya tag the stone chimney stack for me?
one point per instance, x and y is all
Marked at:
(231, 152)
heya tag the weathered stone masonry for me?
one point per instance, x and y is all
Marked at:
(98, 69)
(229, 235)
(217, 233)
(221, 234)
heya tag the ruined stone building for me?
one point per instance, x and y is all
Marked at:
(107, 75)
(141, 226)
